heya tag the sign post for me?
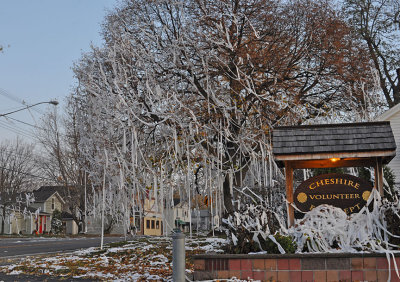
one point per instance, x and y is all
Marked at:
(289, 193)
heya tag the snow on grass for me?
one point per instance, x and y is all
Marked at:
(142, 259)
(15, 272)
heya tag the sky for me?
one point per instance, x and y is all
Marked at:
(42, 39)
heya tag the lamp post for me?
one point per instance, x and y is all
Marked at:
(53, 102)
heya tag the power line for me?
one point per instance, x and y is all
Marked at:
(34, 126)
(52, 102)
(16, 130)
(23, 122)
(12, 109)
(17, 99)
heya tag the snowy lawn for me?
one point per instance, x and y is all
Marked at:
(141, 259)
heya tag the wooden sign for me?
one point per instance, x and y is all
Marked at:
(345, 191)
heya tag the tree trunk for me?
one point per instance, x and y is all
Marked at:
(237, 181)
(2, 220)
(227, 197)
(396, 89)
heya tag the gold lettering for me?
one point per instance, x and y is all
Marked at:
(346, 210)
(357, 185)
(347, 196)
(312, 186)
(357, 196)
(340, 181)
(335, 197)
(350, 183)
(318, 197)
(332, 181)
(358, 206)
(320, 183)
(326, 181)
(351, 209)
(351, 196)
(312, 197)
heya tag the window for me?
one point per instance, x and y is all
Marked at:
(148, 224)
(152, 224)
(157, 224)
(137, 221)
(52, 204)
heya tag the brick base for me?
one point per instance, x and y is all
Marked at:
(298, 267)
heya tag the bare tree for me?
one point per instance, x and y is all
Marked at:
(60, 161)
(17, 173)
(377, 23)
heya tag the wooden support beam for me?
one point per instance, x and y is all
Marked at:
(289, 192)
(320, 156)
(378, 169)
(363, 162)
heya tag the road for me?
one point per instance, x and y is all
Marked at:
(19, 247)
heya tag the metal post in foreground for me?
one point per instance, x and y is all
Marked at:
(178, 256)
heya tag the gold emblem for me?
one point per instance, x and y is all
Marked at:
(365, 195)
(302, 197)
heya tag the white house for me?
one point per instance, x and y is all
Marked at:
(177, 217)
(36, 218)
(393, 116)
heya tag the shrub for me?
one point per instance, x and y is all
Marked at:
(256, 229)
(56, 223)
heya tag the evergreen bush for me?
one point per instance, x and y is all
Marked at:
(56, 222)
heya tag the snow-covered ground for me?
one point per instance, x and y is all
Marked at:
(140, 259)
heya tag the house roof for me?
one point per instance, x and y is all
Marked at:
(389, 113)
(31, 210)
(45, 192)
(347, 138)
(66, 216)
(34, 210)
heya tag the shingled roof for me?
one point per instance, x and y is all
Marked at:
(333, 138)
(45, 192)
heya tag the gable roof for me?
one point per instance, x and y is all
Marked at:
(45, 192)
(335, 138)
(389, 113)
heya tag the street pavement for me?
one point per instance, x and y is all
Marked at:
(20, 247)
(32, 278)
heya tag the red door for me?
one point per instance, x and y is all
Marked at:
(40, 224)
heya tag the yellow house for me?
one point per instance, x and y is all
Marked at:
(152, 223)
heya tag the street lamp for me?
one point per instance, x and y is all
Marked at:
(53, 102)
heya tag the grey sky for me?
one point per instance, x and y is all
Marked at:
(42, 39)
